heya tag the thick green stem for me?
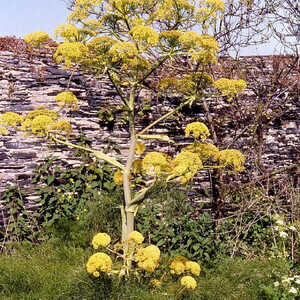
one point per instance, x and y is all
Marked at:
(126, 174)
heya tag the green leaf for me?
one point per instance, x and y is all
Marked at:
(50, 179)
(196, 247)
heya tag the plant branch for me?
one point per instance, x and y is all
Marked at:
(165, 116)
(98, 154)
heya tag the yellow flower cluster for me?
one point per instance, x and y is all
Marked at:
(204, 150)
(177, 265)
(190, 39)
(169, 39)
(68, 31)
(100, 44)
(207, 53)
(11, 119)
(70, 52)
(188, 282)
(101, 239)
(124, 53)
(155, 283)
(189, 85)
(67, 99)
(230, 87)
(197, 129)
(82, 9)
(137, 166)
(99, 262)
(40, 125)
(185, 166)
(155, 163)
(3, 131)
(140, 148)
(170, 85)
(118, 177)
(62, 126)
(145, 36)
(148, 258)
(209, 13)
(36, 39)
(41, 111)
(231, 158)
(215, 4)
(180, 264)
(41, 121)
(193, 267)
(137, 237)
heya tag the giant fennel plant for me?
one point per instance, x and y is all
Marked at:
(128, 40)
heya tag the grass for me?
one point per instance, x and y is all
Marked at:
(54, 270)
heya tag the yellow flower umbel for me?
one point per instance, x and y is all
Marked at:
(71, 53)
(145, 36)
(180, 264)
(124, 53)
(68, 31)
(193, 267)
(155, 163)
(61, 126)
(101, 239)
(204, 150)
(148, 258)
(197, 129)
(10, 119)
(136, 237)
(39, 125)
(98, 262)
(185, 166)
(177, 265)
(188, 282)
(36, 39)
(67, 99)
(231, 158)
(140, 148)
(118, 177)
(41, 111)
(230, 87)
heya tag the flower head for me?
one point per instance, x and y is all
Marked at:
(185, 165)
(100, 262)
(145, 35)
(293, 290)
(204, 150)
(230, 87)
(118, 177)
(101, 239)
(197, 129)
(154, 163)
(70, 53)
(36, 39)
(136, 237)
(10, 119)
(189, 282)
(155, 283)
(67, 98)
(283, 234)
(148, 258)
(232, 158)
(193, 267)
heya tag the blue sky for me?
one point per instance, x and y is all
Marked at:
(20, 17)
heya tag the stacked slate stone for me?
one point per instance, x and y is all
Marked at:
(29, 82)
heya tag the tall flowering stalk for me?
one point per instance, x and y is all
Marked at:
(128, 40)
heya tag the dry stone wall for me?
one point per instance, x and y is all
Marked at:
(26, 83)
